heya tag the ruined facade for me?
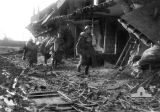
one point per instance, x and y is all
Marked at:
(103, 15)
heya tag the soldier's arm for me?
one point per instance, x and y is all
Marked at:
(81, 47)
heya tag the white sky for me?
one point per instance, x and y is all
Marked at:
(15, 16)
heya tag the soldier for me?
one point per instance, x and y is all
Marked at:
(56, 50)
(44, 49)
(30, 50)
(85, 50)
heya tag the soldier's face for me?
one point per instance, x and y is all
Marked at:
(31, 41)
(88, 30)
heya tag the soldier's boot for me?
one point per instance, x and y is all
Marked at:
(86, 70)
(45, 61)
(24, 54)
(53, 63)
(31, 65)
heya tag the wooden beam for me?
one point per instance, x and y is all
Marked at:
(127, 52)
(81, 21)
(105, 36)
(115, 49)
(125, 48)
(101, 13)
(75, 41)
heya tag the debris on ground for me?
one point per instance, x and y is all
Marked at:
(40, 89)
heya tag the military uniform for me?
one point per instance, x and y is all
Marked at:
(86, 51)
(56, 51)
(44, 50)
(30, 50)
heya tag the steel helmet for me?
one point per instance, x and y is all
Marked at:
(86, 27)
(31, 40)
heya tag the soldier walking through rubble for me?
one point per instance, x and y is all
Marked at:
(56, 50)
(44, 49)
(85, 50)
(30, 50)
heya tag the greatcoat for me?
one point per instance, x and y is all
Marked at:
(86, 51)
(31, 52)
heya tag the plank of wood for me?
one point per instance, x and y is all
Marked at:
(42, 96)
(44, 92)
(64, 96)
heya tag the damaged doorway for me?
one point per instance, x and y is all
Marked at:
(115, 39)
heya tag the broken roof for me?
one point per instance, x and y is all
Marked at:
(146, 20)
(51, 18)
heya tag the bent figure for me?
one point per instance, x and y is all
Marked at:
(56, 52)
(44, 49)
(30, 51)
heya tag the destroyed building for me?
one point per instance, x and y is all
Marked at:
(111, 36)
(116, 24)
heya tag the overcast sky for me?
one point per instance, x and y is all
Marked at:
(15, 16)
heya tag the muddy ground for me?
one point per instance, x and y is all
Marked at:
(41, 89)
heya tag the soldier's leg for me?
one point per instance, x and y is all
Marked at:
(45, 59)
(56, 56)
(53, 61)
(79, 64)
(88, 63)
(30, 64)
(82, 61)
(79, 67)
(24, 52)
(86, 69)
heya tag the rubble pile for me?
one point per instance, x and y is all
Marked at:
(97, 93)
(11, 94)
